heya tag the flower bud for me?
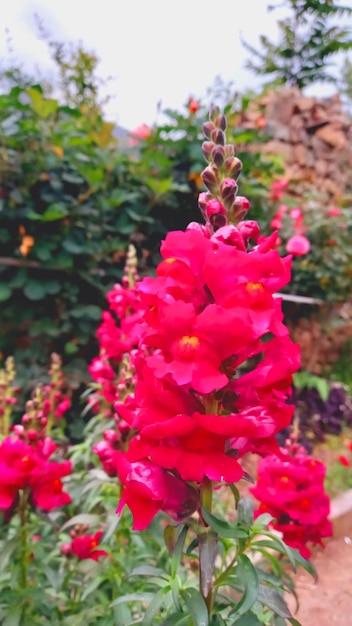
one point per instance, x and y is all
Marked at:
(228, 189)
(210, 177)
(214, 207)
(216, 214)
(218, 137)
(229, 150)
(199, 227)
(66, 549)
(249, 229)
(239, 208)
(207, 147)
(218, 155)
(203, 200)
(214, 112)
(32, 434)
(221, 122)
(231, 236)
(233, 167)
(110, 435)
(208, 127)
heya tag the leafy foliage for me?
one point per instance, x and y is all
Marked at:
(308, 39)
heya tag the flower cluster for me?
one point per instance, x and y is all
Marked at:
(27, 467)
(291, 488)
(298, 244)
(214, 362)
(118, 335)
(82, 545)
(8, 394)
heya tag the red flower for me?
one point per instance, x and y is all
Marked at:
(291, 489)
(344, 461)
(85, 546)
(24, 466)
(149, 489)
(193, 105)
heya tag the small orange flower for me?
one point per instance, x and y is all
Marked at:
(26, 245)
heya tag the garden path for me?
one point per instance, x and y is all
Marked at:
(329, 600)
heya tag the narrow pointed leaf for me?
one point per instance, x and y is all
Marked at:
(196, 606)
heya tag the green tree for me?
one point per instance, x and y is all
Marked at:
(308, 39)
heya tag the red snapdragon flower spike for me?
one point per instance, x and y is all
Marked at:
(291, 489)
(298, 245)
(209, 310)
(86, 547)
(344, 461)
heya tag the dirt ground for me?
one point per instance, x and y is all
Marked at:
(329, 600)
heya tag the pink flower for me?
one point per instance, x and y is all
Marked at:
(62, 408)
(298, 245)
(295, 214)
(141, 132)
(333, 212)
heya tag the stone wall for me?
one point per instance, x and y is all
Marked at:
(312, 135)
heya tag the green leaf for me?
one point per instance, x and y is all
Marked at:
(5, 292)
(154, 607)
(13, 617)
(142, 596)
(247, 620)
(55, 211)
(70, 347)
(208, 549)
(177, 619)
(245, 511)
(34, 290)
(196, 606)
(222, 528)
(72, 246)
(177, 555)
(247, 574)
(147, 570)
(82, 518)
(41, 105)
(52, 286)
(271, 598)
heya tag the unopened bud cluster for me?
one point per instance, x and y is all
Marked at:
(7, 394)
(220, 205)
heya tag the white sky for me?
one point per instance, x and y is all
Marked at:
(155, 50)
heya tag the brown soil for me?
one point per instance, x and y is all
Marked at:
(329, 600)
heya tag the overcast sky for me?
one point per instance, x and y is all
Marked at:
(155, 50)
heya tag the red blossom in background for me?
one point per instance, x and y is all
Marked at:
(86, 547)
(344, 461)
(298, 245)
(24, 466)
(291, 489)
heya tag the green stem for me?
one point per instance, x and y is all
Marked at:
(24, 554)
